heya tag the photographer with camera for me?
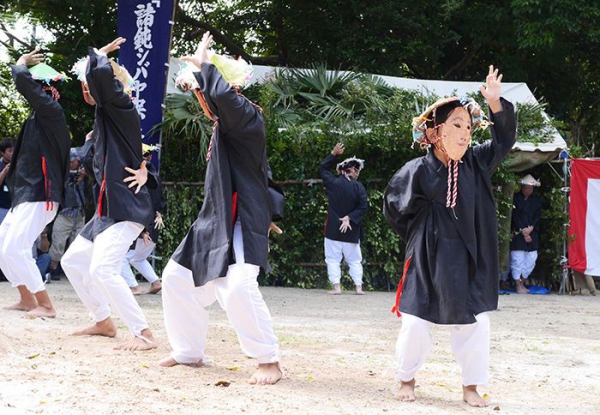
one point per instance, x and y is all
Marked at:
(71, 217)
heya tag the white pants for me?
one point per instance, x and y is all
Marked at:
(334, 252)
(137, 258)
(522, 263)
(186, 320)
(18, 232)
(94, 270)
(470, 344)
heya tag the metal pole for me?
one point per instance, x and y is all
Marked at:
(564, 261)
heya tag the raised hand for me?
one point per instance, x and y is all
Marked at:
(338, 149)
(31, 58)
(492, 89)
(112, 46)
(201, 54)
(138, 177)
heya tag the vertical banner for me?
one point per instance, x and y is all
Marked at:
(584, 215)
(147, 26)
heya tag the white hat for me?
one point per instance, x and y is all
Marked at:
(530, 181)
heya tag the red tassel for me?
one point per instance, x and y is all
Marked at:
(100, 198)
(234, 207)
(45, 173)
(396, 308)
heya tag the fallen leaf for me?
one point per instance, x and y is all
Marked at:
(496, 408)
(310, 378)
(145, 366)
(52, 353)
(233, 368)
(485, 396)
(223, 383)
(33, 356)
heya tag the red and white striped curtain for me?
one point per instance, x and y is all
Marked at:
(584, 213)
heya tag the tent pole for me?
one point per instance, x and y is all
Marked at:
(564, 261)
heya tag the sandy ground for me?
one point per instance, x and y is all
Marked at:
(337, 352)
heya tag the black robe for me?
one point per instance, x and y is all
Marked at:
(238, 163)
(526, 212)
(346, 198)
(118, 144)
(451, 264)
(40, 163)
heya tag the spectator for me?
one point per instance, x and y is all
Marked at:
(71, 217)
(527, 211)
(6, 152)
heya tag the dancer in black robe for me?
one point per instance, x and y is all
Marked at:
(36, 179)
(442, 206)
(224, 250)
(93, 261)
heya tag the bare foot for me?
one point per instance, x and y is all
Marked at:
(155, 287)
(170, 362)
(407, 391)
(41, 311)
(267, 374)
(144, 341)
(337, 290)
(104, 328)
(136, 290)
(471, 397)
(521, 287)
(22, 306)
(359, 290)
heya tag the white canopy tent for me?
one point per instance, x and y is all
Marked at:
(523, 155)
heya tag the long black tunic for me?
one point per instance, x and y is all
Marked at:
(346, 198)
(238, 163)
(118, 144)
(526, 212)
(40, 162)
(451, 265)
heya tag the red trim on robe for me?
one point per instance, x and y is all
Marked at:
(396, 308)
(233, 207)
(100, 198)
(47, 189)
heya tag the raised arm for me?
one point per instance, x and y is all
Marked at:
(224, 102)
(31, 90)
(100, 76)
(504, 128)
(328, 162)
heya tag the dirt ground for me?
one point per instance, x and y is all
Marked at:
(337, 353)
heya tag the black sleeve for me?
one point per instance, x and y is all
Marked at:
(42, 103)
(230, 107)
(504, 131)
(325, 169)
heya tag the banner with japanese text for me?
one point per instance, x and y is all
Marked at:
(146, 25)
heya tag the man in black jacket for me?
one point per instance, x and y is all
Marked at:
(36, 179)
(93, 261)
(343, 226)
